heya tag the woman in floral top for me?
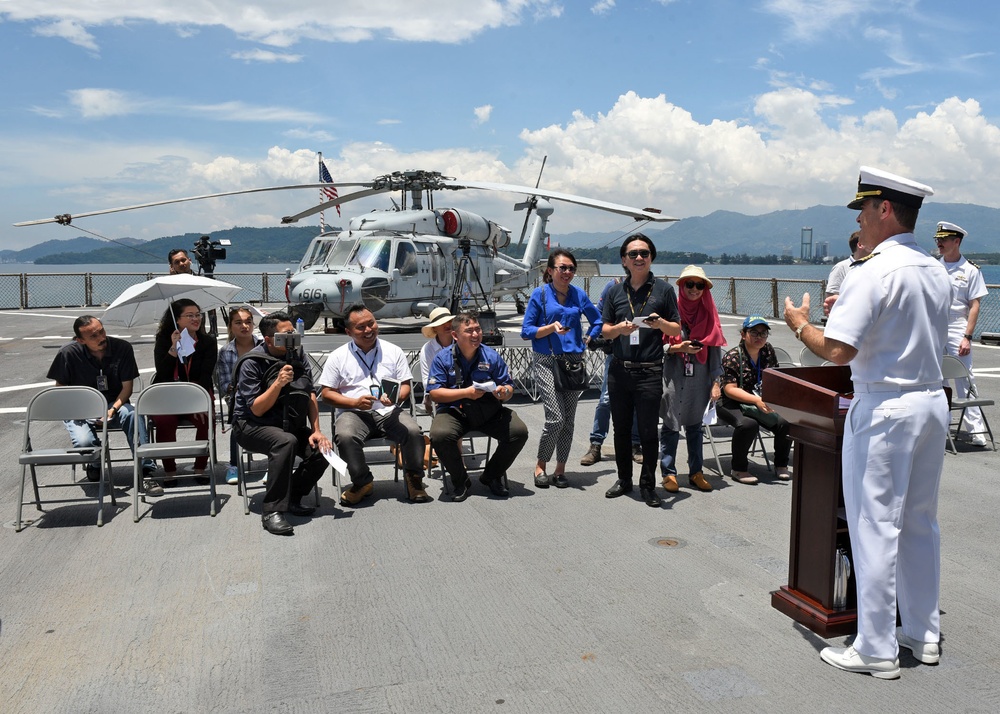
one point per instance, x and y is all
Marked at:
(742, 370)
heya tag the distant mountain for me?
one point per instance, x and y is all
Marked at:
(717, 233)
(284, 244)
(773, 233)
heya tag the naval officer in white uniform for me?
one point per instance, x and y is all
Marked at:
(969, 290)
(891, 324)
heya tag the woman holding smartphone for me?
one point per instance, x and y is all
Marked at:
(552, 321)
(692, 369)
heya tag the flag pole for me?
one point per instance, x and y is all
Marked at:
(322, 196)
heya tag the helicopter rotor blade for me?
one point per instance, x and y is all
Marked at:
(640, 214)
(66, 218)
(336, 202)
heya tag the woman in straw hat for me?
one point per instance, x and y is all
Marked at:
(692, 368)
(552, 321)
(439, 336)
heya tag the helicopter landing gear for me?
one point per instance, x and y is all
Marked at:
(519, 304)
(334, 326)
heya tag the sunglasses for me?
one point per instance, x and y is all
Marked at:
(692, 285)
(633, 254)
(566, 268)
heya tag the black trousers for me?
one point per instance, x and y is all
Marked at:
(745, 430)
(283, 485)
(447, 431)
(636, 394)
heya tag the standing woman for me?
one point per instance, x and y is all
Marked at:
(692, 370)
(742, 371)
(241, 340)
(184, 316)
(552, 321)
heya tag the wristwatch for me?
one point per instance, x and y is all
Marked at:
(968, 337)
(798, 332)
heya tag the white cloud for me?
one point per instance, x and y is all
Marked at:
(259, 55)
(483, 113)
(281, 24)
(602, 7)
(102, 103)
(96, 103)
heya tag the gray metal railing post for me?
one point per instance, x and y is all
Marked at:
(774, 297)
(88, 289)
(732, 294)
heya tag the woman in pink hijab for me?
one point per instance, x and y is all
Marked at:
(692, 367)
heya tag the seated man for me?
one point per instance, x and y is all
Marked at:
(470, 382)
(108, 364)
(275, 412)
(352, 382)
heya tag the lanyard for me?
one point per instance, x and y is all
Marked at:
(456, 366)
(628, 296)
(370, 368)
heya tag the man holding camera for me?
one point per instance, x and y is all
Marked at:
(358, 380)
(275, 412)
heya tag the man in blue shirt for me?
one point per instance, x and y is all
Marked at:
(471, 382)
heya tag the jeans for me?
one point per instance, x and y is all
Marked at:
(602, 414)
(693, 435)
(83, 434)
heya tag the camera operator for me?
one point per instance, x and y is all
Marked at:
(178, 262)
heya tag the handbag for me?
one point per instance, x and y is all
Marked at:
(568, 374)
(768, 420)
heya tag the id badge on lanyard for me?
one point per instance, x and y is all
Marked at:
(102, 382)
(688, 367)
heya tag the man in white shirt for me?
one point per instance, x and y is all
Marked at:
(352, 382)
(891, 324)
(969, 290)
(840, 270)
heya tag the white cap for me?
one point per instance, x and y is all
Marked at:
(950, 230)
(876, 183)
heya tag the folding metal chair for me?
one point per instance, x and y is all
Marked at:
(58, 404)
(952, 368)
(808, 358)
(477, 457)
(173, 398)
(784, 359)
(715, 452)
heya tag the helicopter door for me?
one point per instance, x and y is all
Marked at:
(404, 273)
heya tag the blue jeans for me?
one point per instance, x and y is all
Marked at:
(602, 414)
(83, 433)
(669, 438)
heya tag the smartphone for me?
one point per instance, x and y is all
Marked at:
(696, 343)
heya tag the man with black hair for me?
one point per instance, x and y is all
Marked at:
(637, 313)
(94, 359)
(352, 381)
(179, 262)
(275, 412)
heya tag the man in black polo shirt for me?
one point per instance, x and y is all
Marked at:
(108, 364)
(637, 313)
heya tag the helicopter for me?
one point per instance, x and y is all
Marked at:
(410, 259)
(407, 261)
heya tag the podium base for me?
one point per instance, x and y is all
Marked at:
(806, 611)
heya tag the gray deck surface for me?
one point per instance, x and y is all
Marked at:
(550, 601)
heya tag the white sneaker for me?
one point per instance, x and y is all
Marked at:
(850, 660)
(926, 652)
(978, 440)
(232, 476)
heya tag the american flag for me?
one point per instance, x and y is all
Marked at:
(330, 192)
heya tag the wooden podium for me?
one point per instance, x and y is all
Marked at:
(809, 398)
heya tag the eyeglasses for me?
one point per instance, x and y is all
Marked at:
(759, 334)
(566, 268)
(692, 285)
(633, 254)
(192, 315)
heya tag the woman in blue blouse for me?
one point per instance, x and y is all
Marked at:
(552, 321)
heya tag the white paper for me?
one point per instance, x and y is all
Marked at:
(711, 416)
(338, 464)
(485, 386)
(185, 345)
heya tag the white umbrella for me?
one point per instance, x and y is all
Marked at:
(146, 302)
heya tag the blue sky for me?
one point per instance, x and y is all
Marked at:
(690, 106)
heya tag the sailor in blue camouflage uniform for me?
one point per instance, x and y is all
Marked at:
(891, 324)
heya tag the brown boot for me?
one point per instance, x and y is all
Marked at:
(354, 495)
(699, 481)
(415, 488)
(592, 456)
(670, 484)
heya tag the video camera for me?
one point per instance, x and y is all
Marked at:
(600, 343)
(207, 251)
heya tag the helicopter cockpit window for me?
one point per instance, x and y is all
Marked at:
(406, 259)
(372, 254)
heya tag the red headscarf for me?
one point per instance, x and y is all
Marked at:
(701, 320)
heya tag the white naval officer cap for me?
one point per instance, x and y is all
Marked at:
(950, 230)
(876, 183)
